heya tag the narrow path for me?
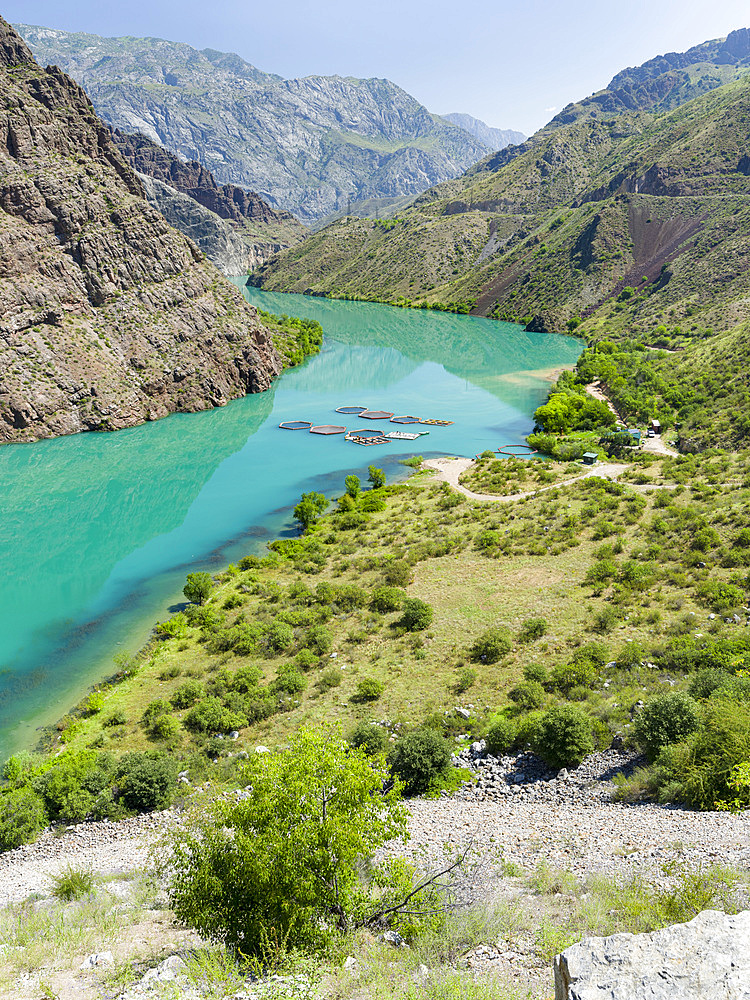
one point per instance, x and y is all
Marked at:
(448, 471)
(655, 445)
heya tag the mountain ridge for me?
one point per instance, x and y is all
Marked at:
(310, 146)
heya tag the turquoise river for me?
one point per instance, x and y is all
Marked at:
(97, 531)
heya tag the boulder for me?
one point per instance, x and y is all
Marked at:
(705, 959)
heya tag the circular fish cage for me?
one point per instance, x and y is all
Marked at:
(355, 410)
(295, 425)
(405, 420)
(517, 450)
(376, 415)
(328, 429)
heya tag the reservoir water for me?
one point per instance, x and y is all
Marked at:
(97, 531)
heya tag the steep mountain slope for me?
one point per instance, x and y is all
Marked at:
(235, 228)
(108, 317)
(309, 146)
(493, 138)
(659, 203)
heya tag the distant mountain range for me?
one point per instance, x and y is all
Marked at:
(314, 146)
(492, 138)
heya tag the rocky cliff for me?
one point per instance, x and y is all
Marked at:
(108, 316)
(235, 228)
(310, 146)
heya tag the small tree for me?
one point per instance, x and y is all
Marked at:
(285, 862)
(417, 615)
(376, 477)
(309, 509)
(198, 587)
(417, 758)
(353, 486)
(667, 718)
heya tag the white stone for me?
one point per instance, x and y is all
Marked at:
(100, 959)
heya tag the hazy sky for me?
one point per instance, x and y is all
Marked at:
(513, 64)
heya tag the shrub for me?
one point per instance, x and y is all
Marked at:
(720, 597)
(306, 659)
(330, 678)
(385, 599)
(566, 676)
(319, 640)
(246, 679)
(417, 615)
(535, 672)
(369, 737)
(563, 737)
(368, 689)
(117, 718)
(417, 758)
(289, 680)
(283, 866)
(147, 781)
(154, 709)
(466, 678)
(492, 645)
(372, 503)
(533, 628)
(398, 573)
(667, 718)
(501, 735)
(353, 486)
(187, 694)
(349, 597)
(527, 695)
(166, 727)
(210, 715)
(703, 684)
(22, 817)
(279, 636)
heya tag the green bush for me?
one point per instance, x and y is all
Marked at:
(166, 727)
(501, 735)
(532, 629)
(283, 867)
(566, 676)
(289, 680)
(330, 678)
(306, 659)
(372, 503)
(527, 695)
(198, 587)
(349, 597)
(418, 757)
(147, 781)
(492, 645)
(210, 715)
(398, 573)
(246, 679)
(371, 738)
(385, 599)
(279, 636)
(667, 718)
(319, 640)
(154, 709)
(22, 817)
(720, 597)
(703, 684)
(368, 689)
(563, 737)
(417, 615)
(187, 694)
(117, 718)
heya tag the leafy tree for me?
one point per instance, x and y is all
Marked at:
(284, 864)
(369, 737)
(147, 781)
(376, 477)
(198, 587)
(417, 758)
(492, 645)
(353, 486)
(22, 817)
(563, 737)
(309, 509)
(667, 718)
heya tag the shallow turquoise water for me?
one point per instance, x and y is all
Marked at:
(97, 531)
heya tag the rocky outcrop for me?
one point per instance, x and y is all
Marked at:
(310, 146)
(705, 959)
(235, 228)
(108, 316)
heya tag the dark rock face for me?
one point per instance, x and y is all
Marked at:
(108, 317)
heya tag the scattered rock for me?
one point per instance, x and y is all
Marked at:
(101, 959)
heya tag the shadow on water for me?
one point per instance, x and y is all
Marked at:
(98, 531)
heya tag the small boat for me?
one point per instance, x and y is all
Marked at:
(295, 425)
(434, 423)
(328, 429)
(355, 410)
(375, 415)
(405, 420)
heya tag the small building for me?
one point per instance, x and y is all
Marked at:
(656, 427)
(635, 435)
(589, 457)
